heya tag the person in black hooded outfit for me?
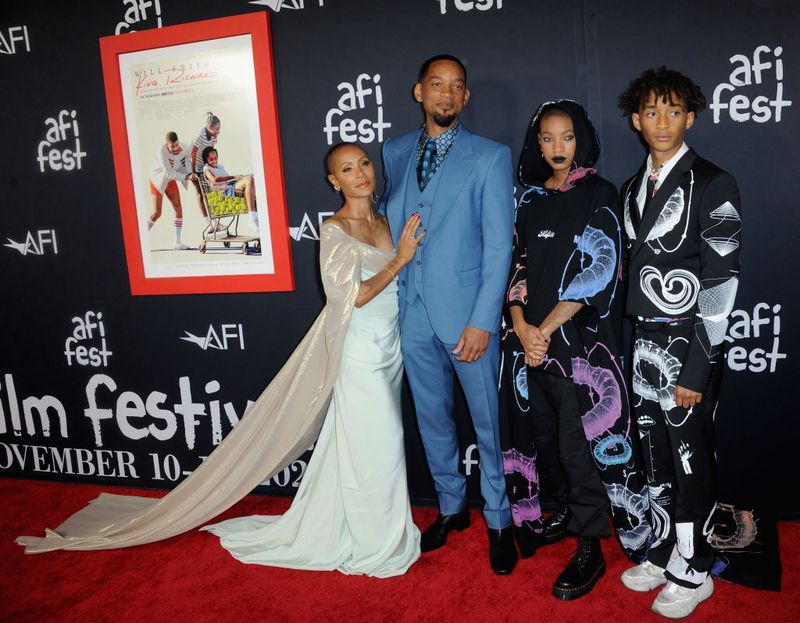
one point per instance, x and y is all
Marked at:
(563, 395)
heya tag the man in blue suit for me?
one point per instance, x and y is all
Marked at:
(451, 294)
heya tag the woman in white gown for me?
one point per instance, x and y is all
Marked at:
(352, 511)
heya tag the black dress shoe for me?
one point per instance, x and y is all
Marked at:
(436, 536)
(582, 572)
(502, 550)
(555, 526)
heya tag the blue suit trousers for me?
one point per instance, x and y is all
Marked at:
(431, 368)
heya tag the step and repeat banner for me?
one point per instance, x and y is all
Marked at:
(101, 385)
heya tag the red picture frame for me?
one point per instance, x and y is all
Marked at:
(192, 273)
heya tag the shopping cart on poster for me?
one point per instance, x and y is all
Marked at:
(224, 205)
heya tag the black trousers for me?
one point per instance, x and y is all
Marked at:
(567, 470)
(678, 447)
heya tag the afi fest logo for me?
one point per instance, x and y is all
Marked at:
(756, 339)
(469, 5)
(87, 344)
(61, 147)
(35, 243)
(16, 34)
(352, 121)
(218, 340)
(764, 70)
(306, 229)
(277, 5)
(138, 11)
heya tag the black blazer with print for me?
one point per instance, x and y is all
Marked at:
(683, 257)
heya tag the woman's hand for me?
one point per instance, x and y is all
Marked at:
(407, 243)
(407, 247)
(533, 341)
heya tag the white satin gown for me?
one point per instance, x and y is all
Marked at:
(351, 512)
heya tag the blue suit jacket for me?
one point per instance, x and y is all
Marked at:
(466, 253)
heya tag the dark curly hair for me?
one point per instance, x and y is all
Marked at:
(664, 83)
(207, 152)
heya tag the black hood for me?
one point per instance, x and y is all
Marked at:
(533, 168)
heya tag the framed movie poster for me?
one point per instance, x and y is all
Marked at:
(195, 137)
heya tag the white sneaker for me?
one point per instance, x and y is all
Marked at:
(181, 247)
(644, 577)
(676, 601)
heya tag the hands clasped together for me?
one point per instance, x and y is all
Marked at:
(533, 341)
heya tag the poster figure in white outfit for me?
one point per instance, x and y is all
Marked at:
(171, 165)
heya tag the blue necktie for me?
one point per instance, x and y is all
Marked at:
(427, 164)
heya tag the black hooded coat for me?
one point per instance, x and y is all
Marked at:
(567, 247)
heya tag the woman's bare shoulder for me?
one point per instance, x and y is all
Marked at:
(337, 221)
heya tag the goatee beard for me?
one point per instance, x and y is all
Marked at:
(444, 121)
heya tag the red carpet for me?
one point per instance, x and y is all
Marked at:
(191, 578)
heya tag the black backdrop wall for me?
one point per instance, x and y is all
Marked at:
(63, 263)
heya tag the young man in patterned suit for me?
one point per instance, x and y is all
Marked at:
(683, 227)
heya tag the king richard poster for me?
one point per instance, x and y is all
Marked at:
(176, 89)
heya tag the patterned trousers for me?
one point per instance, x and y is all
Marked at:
(678, 447)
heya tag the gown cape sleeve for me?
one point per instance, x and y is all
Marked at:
(279, 427)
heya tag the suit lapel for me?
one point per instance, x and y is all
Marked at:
(632, 204)
(668, 186)
(404, 163)
(456, 170)
(409, 168)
